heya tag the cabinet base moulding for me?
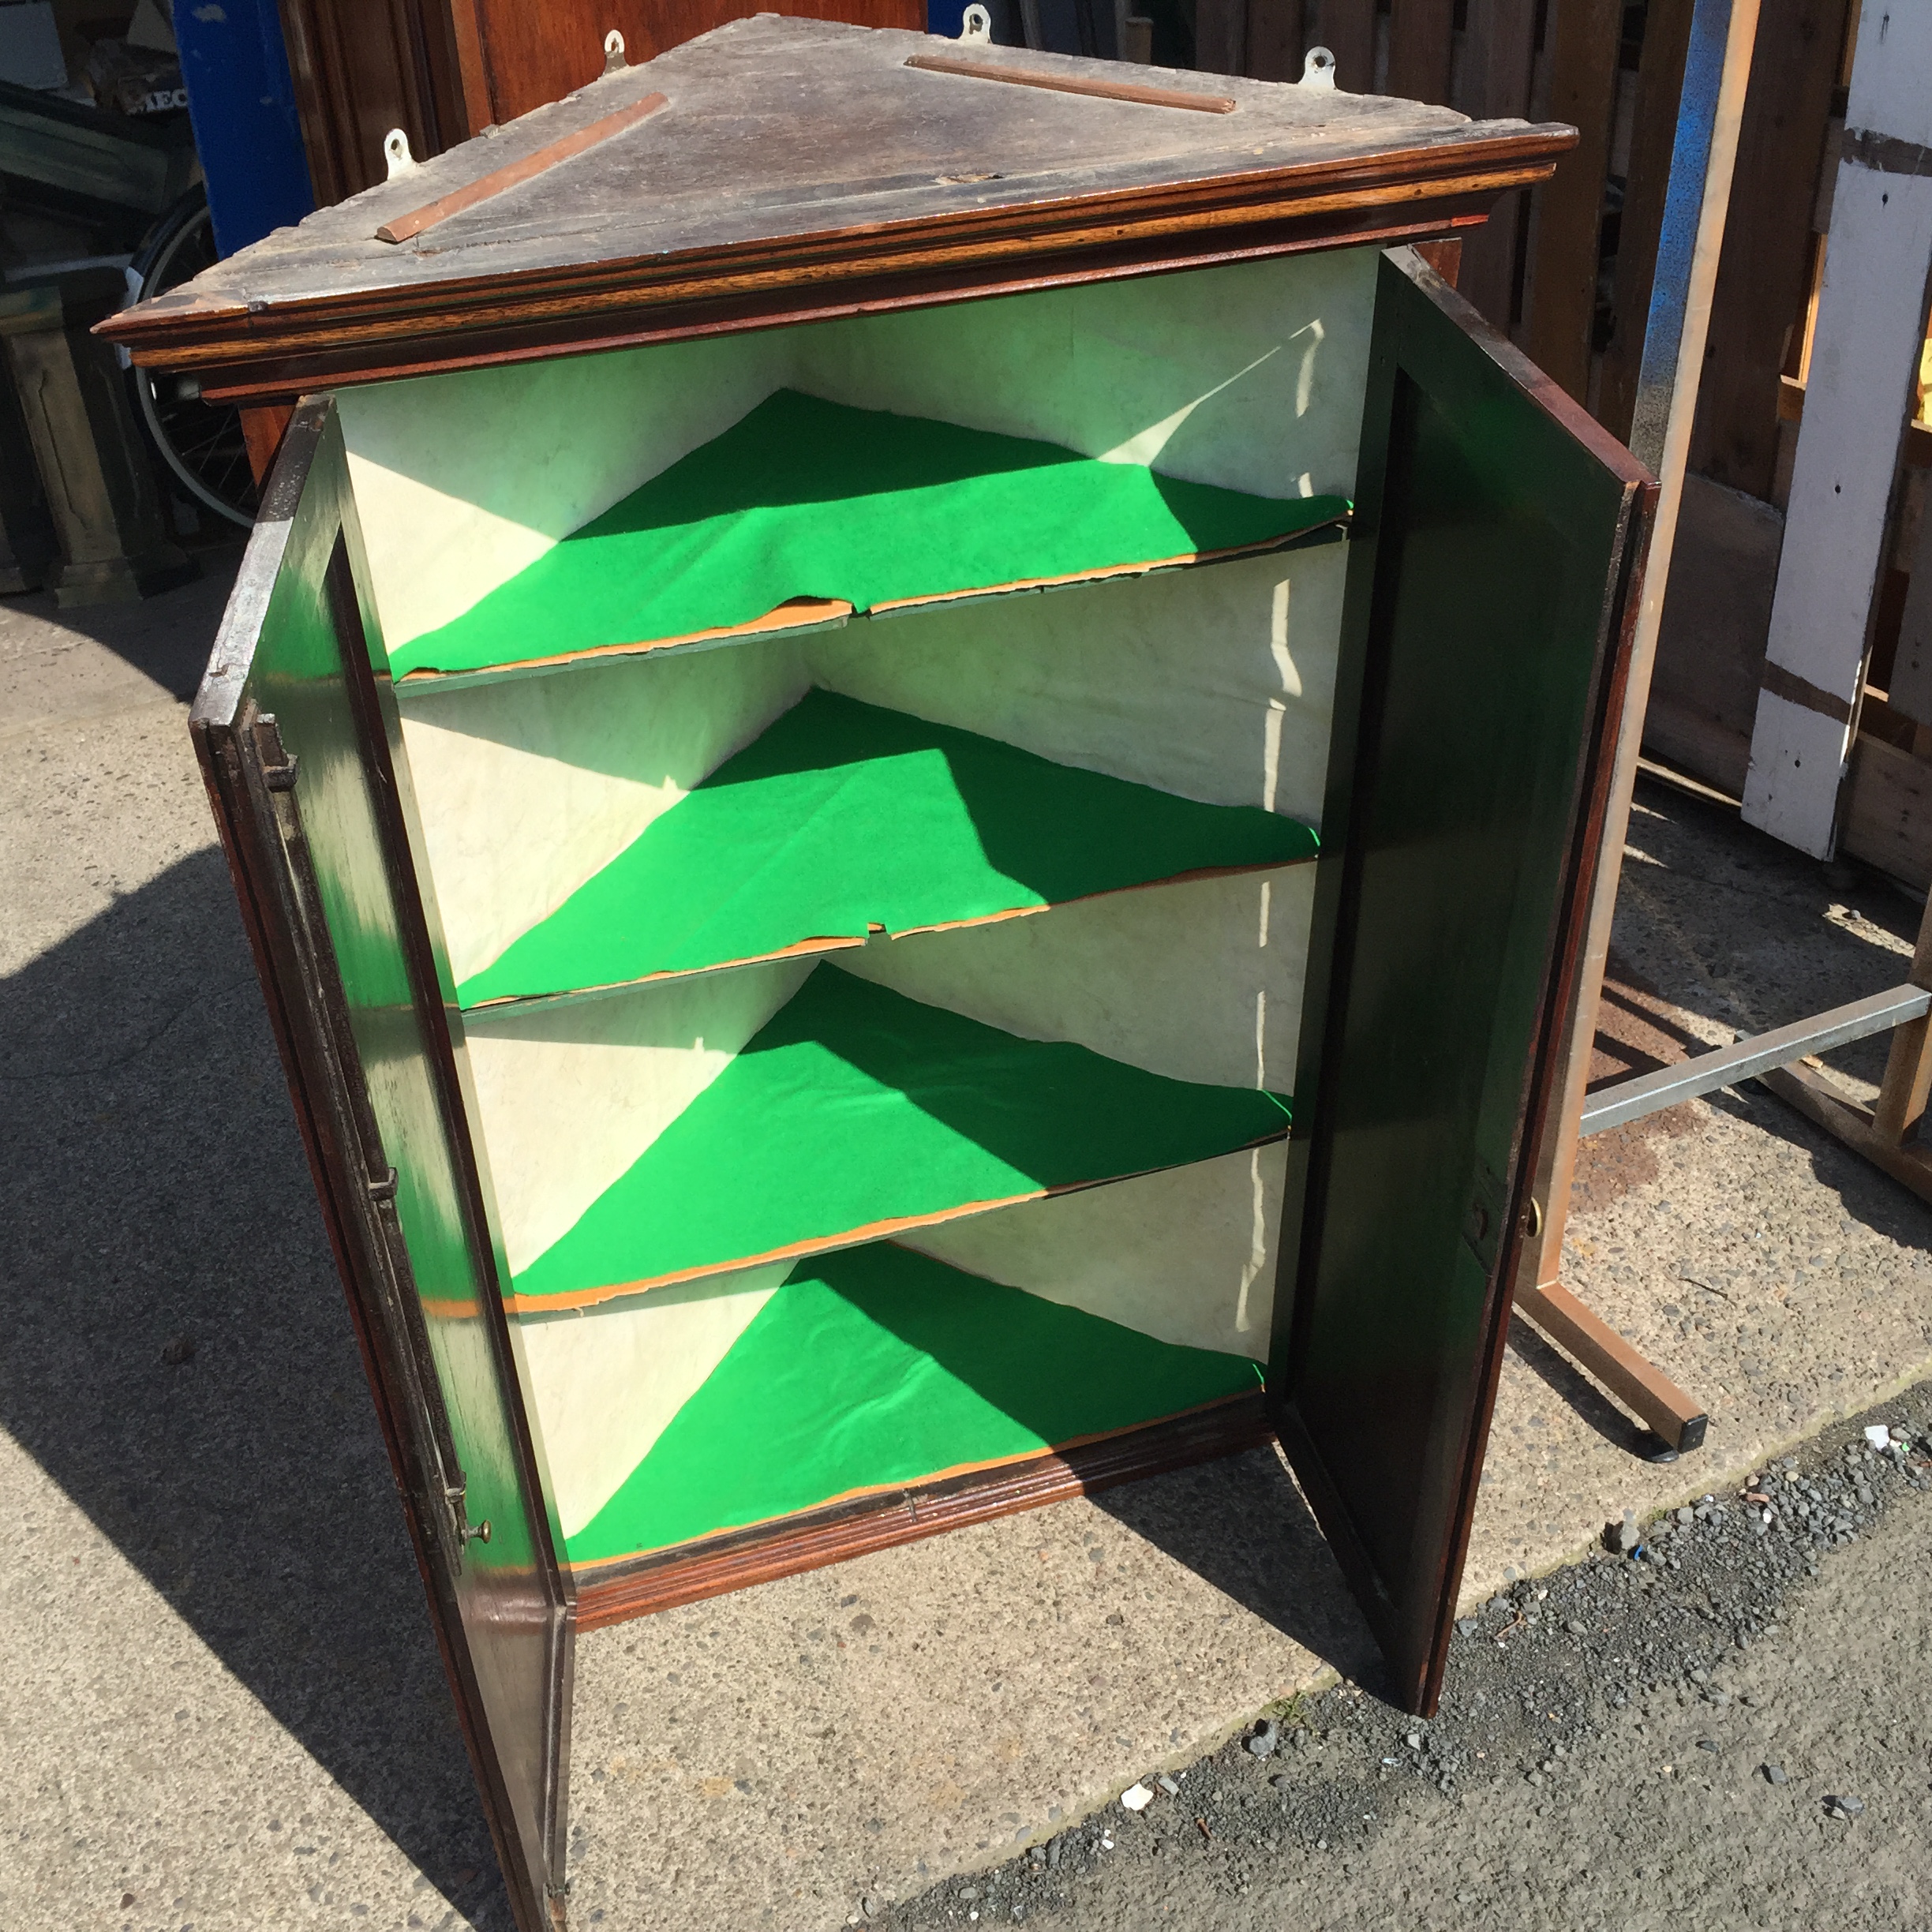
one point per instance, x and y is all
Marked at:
(815, 1538)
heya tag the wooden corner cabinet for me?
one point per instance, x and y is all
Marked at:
(911, 741)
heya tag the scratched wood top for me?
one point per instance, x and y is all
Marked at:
(805, 155)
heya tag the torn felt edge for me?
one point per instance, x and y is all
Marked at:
(832, 613)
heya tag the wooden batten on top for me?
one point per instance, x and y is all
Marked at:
(802, 170)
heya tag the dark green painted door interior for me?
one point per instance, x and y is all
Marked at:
(1485, 597)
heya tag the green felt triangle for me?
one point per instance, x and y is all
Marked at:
(878, 1366)
(804, 498)
(843, 816)
(853, 1108)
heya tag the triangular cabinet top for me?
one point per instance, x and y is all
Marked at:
(800, 169)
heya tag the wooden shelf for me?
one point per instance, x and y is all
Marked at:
(880, 1369)
(806, 512)
(843, 820)
(856, 1113)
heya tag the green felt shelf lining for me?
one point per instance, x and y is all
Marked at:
(855, 1112)
(806, 499)
(844, 818)
(879, 1367)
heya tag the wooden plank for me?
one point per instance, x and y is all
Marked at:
(1763, 279)
(1499, 51)
(262, 430)
(1860, 391)
(401, 227)
(1276, 45)
(1421, 34)
(1220, 36)
(1075, 84)
(360, 70)
(1710, 643)
(1726, 31)
(1588, 1339)
(1567, 228)
(1347, 28)
(1660, 80)
(1815, 1096)
(1887, 812)
(536, 51)
(1908, 1082)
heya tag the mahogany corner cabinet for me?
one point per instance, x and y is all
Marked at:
(911, 742)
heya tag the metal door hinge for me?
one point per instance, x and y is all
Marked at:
(278, 766)
(456, 1495)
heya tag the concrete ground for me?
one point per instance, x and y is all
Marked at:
(225, 1708)
(1728, 1730)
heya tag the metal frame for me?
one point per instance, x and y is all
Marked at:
(1745, 1059)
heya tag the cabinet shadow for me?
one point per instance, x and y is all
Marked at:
(156, 1190)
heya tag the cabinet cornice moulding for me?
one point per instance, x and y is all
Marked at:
(861, 184)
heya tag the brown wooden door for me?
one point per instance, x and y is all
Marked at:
(297, 733)
(1492, 584)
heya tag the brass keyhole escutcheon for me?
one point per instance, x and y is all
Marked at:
(1533, 1218)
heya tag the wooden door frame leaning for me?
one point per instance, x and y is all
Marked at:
(1711, 105)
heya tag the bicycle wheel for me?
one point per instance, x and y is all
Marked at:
(201, 442)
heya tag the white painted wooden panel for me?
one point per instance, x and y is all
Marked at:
(1871, 323)
(1890, 88)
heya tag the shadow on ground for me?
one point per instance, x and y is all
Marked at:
(1241, 1524)
(156, 1190)
(165, 638)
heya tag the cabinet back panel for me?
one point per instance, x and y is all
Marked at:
(1186, 1256)
(606, 1382)
(1214, 683)
(463, 480)
(1199, 980)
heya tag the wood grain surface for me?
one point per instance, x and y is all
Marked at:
(802, 170)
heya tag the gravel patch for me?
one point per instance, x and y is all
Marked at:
(1602, 1733)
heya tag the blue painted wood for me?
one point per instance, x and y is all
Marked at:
(241, 100)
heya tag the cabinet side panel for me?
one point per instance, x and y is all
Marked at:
(463, 480)
(529, 786)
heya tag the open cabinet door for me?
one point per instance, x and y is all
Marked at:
(1491, 594)
(294, 728)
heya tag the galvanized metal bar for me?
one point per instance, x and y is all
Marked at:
(1743, 1059)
